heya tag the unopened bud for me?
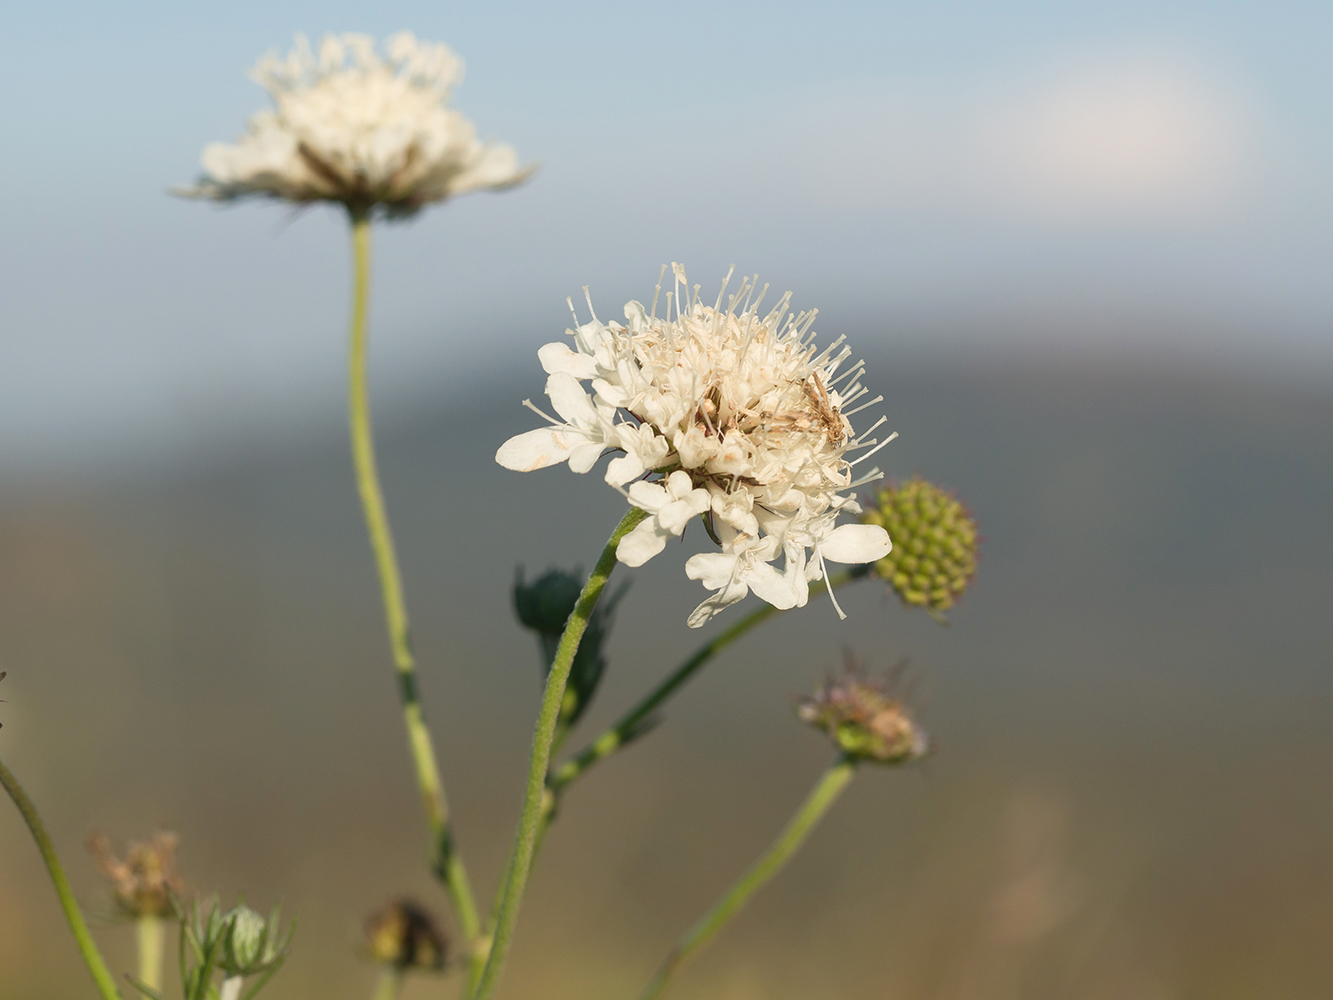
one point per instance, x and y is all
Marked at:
(245, 940)
(934, 538)
(146, 882)
(864, 720)
(544, 604)
(406, 935)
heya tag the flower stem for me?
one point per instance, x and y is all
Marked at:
(628, 726)
(445, 860)
(390, 984)
(830, 785)
(151, 938)
(106, 983)
(520, 861)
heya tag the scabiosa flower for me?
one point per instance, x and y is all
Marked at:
(730, 413)
(864, 719)
(352, 126)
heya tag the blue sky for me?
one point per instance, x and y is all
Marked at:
(968, 179)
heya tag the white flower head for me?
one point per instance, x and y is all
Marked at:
(734, 416)
(352, 125)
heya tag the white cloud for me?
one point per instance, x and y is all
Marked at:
(1118, 141)
(1132, 143)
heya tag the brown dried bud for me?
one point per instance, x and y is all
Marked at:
(863, 718)
(406, 935)
(146, 881)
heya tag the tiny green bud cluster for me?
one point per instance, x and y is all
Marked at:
(864, 720)
(237, 943)
(406, 935)
(934, 553)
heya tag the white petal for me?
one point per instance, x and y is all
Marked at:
(724, 598)
(558, 357)
(713, 569)
(534, 450)
(641, 544)
(679, 484)
(856, 543)
(570, 399)
(774, 587)
(620, 471)
(648, 496)
(584, 456)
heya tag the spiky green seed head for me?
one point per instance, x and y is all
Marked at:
(864, 720)
(934, 539)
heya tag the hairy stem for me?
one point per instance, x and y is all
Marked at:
(444, 858)
(152, 934)
(106, 983)
(830, 785)
(520, 861)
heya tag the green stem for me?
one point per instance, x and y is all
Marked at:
(625, 729)
(390, 984)
(445, 860)
(520, 862)
(106, 983)
(152, 933)
(830, 785)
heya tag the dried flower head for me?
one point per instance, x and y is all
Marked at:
(407, 935)
(731, 414)
(864, 718)
(146, 882)
(352, 126)
(934, 555)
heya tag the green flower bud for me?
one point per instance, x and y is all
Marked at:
(251, 944)
(406, 935)
(544, 606)
(864, 720)
(935, 540)
(245, 940)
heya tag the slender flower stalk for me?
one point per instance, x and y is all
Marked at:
(151, 936)
(390, 984)
(445, 861)
(106, 984)
(825, 793)
(633, 721)
(525, 842)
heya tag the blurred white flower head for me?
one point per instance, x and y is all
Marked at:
(349, 125)
(721, 412)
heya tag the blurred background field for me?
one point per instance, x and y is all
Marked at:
(1130, 796)
(1086, 253)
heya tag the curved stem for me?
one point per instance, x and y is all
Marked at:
(827, 790)
(445, 861)
(520, 862)
(106, 983)
(629, 724)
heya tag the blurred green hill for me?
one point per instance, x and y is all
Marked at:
(1132, 709)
